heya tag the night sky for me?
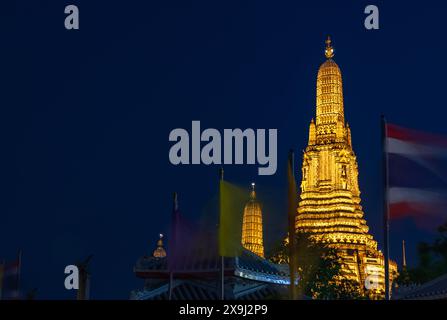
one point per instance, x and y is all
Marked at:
(85, 116)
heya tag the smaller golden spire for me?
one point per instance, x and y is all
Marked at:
(329, 51)
(160, 251)
(252, 236)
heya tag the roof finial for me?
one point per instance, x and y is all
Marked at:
(252, 191)
(160, 251)
(329, 51)
(160, 241)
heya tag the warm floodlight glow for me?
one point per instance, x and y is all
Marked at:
(252, 233)
(159, 252)
(330, 207)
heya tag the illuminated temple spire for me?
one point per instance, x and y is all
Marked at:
(330, 196)
(160, 251)
(252, 236)
(329, 51)
(330, 111)
(329, 208)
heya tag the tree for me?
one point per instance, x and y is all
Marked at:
(432, 260)
(440, 245)
(319, 270)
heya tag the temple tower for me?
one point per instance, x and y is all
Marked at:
(329, 208)
(252, 234)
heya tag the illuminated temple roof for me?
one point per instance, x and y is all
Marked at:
(201, 290)
(205, 260)
(248, 276)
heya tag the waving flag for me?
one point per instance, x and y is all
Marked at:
(189, 244)
(180, 239)
(232, 200)
(417, 164)
(9, 279)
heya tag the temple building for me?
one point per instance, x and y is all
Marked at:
(330, 207)
(435, 289)
(197, 272)
(252, 235)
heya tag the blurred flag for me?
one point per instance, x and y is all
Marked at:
(417, 166)
(189, 246)
(2, 270)
(178, 239)
(231, 201)
(9, 279)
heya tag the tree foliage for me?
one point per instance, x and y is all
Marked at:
(319, 270)
(432, 260)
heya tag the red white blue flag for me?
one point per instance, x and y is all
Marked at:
(417, 175)
(9, 279)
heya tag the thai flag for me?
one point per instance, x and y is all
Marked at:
(9, 279)
(417, 175)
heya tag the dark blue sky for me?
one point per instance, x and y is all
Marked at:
(85, 115)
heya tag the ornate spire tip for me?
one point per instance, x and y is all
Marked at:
(252, 191)
(329, 51)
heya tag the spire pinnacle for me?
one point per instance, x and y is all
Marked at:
(252, 191)
(329, 51)
(159, 252)
(160, 241)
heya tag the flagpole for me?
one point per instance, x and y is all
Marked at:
(291, 225)
(222, 261)
(19, 272)
(404, 256)
(87, 286)
(222, 282)
(2, 271)
(386, 214)
(171, 282)
(174, 235)
(84, 279)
